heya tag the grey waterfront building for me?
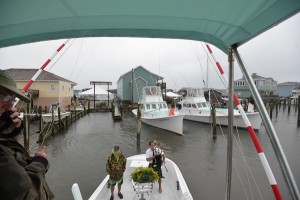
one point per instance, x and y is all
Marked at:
(265, 86)
(287, 89)
(132, 82)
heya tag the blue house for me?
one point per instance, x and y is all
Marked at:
(131, 83)
(265, 86)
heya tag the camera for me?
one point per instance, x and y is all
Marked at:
(5, 116)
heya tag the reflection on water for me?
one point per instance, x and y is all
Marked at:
(79, 155)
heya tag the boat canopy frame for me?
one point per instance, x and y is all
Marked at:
(225, 24)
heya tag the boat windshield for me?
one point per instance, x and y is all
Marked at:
(194, 92)
(151, 91)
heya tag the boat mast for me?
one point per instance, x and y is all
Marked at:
(270, 130)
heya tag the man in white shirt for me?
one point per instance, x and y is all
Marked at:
(155, 156)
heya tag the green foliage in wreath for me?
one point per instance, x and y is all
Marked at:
(144, 175)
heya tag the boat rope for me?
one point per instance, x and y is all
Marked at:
(36, 138)
(254, 138)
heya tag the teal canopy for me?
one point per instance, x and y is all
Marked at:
(222, 23)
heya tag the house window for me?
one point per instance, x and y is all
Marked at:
(63, 88)
(52, 88)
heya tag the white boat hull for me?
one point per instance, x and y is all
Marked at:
(222, 120)
(170, 123)
(48, 117)
(169, 183)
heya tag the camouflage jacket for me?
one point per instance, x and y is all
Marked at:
(22, 177)
(116, 167)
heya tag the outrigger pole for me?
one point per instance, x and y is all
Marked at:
(270, 130)
(254, 138)
(43, 67)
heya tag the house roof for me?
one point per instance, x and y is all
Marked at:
(160, 77)
(98, 90)
(290, 83)
(26, 75)
(256, 77)
(221, 23)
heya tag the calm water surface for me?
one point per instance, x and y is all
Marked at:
(79, 155)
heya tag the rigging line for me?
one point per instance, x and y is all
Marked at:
(87, 60)
(248, 170)
(198, 58)
(176, 86)
(258, 147)
(239, 144)
(224, 84)
(184, 79)
(76, 59)
(137, 90)
(245, 161)
(59, 57)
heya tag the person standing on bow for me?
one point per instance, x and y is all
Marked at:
(115, 167)
(156, 157)
(22, 176)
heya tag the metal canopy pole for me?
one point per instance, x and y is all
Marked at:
(270, 130)
(230, 125)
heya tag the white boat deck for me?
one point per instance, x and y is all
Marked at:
(169, 184)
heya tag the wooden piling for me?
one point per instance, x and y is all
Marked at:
(289, 106)
(271, 109)
(299, 110)
(139, 122)
(276, 107)
(40, 118)
(214, 126)
(59, 119)
(52, 122)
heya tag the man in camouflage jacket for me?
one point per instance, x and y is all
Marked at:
(115, 167)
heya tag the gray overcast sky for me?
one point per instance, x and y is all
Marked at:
(275, 53)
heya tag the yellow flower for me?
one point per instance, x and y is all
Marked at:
(144, 175)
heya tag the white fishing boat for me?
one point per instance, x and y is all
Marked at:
(53, 114)
(195, 107)
(155, 112)
(174, 185)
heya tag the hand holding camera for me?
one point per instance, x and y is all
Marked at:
(11, 117)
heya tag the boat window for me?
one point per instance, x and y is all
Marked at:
(204, 105)
(148, 106)
(188, 105)
(194, 106)
(199, 105)
(165, 106)
(153, 106)
(160, 106)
